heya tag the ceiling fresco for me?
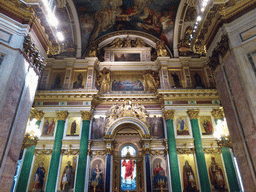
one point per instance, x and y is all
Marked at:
(100, 17)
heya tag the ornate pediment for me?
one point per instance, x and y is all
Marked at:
(126, 110)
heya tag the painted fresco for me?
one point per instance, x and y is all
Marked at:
(39, 173)
(206, 125)
(127, 56)
(216, 172)
(98, 127)
(156, 126)
(127, 82)
(49, 126)
(74, 124)
(98, 18)
(67, 173)
(97, 173)
(159, 172)
(188, 173)
(182, 125)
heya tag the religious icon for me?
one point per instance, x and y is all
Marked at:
(68, 177)
(97, 175)
(49, 126)
(159, 174)
(206, 125)
(189, 180)
(216, 175)
(198, 81)
(79, 82)
(39, 177)
(156, 126)
(176, 80)
(128, 169)
(182, 126)
(73, 126)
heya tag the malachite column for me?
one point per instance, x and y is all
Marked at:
(56, 152)
(173, 158)
(218, 114)
(200, 158)
(81, 170)
(28, 158)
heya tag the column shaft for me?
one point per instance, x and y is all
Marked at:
(26, 167)
(173, 158)
(54, 165)
(108, 174)
(148, 174)
(201, 163)
(81, 169)
(230, 170)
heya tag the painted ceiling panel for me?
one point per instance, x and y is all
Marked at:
(100, 17)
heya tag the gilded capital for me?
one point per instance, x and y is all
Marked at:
(169, 114)
(62, 115)
(38, 115)
(218, 113)
(86, 115)
(193, 113)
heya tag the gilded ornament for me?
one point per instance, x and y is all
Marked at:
(62, 115)
(86, 115)
(38, 115)
(169, 114)
(109, 150)
(161, 49)
(193, 113)
(218, 113)
(103, 80)
(151, 81)
(225, 142)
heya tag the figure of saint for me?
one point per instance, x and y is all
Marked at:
(39, 177)
(151, 84)
(176, 80)
(97, 174)
(129, 168)
(189, 178)
(159, 173)
(57, 82)
(207, 127)
(73, 128)
(51, 127)
(104, 80)
(46, 127)
(216, 175)
(78, 83)
(67, 181)
(198, 80)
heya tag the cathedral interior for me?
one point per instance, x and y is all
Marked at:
(127, 95)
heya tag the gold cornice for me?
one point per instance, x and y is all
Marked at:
(185, 94)
(62, 115)
(193, 113)
(15, 9)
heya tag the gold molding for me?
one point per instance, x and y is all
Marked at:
(62, 115)
(193, 113)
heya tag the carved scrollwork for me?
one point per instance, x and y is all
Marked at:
(220, 50)
(33, 54)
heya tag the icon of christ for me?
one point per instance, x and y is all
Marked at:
(129, 168)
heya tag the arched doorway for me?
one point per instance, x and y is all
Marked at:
(128, 158)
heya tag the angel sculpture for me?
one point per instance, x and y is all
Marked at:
(140, 43)
(104, 80)
(160, 49)
(151, 82)
(117, 43)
